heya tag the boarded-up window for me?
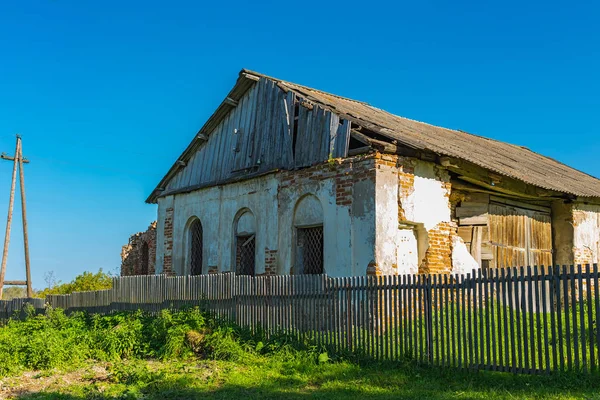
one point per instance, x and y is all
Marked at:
(145, 259)
(310, 250)
(519, 236)
(245, 254)
(196, 248)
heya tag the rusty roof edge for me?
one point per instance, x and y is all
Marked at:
(215, 118)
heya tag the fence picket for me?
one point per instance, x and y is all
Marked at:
(513, 320)
(590, 318)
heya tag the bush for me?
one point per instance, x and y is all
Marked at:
(54, 340)
(85, 282)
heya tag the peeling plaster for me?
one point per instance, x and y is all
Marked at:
(462, 261)
(586, 235)
(428, 202)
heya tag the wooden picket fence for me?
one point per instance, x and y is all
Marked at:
(520, 320)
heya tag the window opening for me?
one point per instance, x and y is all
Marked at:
(245, 254)
(196, 248)
(310, 244)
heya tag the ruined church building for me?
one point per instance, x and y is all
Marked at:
(285, 179)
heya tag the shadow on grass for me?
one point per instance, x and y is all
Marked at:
(382, 381)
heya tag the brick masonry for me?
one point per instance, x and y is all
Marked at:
(168, 235)
(438, 256)
(346, 172)
(213, 269)
(270, 262)
(131, 253)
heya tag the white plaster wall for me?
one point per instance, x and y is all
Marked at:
(586, 232)
(392, 245)
(217, 208)
(354, 236)
(408, 254)
(427, 205)
(308, 211)
(428, 202)
(362, 228)
(344, 235)
(462, 261)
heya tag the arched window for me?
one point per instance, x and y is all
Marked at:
(195, 232)
(145, 259)
(308, 226)
(245, 244)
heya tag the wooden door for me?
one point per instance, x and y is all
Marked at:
(520, 236)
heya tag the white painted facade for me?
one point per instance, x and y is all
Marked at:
(348, 231)
(355, 236)
(400, 247)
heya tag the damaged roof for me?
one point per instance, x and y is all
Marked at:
(503, 158)
(506, 159)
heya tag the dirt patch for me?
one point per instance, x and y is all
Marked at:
(40, 381)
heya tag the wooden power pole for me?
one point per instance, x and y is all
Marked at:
(18, 162)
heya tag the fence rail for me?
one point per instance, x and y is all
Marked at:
(521, 320)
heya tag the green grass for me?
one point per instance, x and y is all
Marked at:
(276, 377)
(187, 355)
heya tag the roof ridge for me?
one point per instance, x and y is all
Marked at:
(247, 71)
(417, 121)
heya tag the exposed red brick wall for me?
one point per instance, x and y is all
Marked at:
(213, 269)
(270, 262)
(373, 269)
(131, 253)
(438, 258)
(168, 235)
(345, 172)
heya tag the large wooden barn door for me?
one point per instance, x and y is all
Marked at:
(520, 236)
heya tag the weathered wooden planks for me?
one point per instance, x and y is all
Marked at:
(258, 136)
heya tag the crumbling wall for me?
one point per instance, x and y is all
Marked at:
(586, 233)
(562, 233)
(346, 191)
(415, 231)
(132, 253)
(575, 233)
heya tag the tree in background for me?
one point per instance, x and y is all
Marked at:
(14, 292)
(85, 282)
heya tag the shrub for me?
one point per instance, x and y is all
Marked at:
(55, 340)
(85, 282)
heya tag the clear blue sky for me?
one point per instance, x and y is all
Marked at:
(108, 93)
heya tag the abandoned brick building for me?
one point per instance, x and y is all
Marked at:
(286, 179)
(139, 254)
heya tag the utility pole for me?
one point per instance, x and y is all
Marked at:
(18, 161)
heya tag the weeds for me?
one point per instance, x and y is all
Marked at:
(54, 340)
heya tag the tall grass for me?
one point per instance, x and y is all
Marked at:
(54, 340)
